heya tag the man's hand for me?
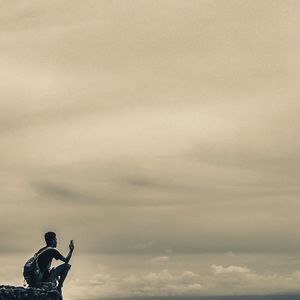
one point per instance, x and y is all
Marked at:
(68, 257)
(71, 245)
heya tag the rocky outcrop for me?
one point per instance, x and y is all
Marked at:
(8, 292)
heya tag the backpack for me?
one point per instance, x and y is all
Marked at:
(31, 270)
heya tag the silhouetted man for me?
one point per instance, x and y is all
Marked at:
(45, 258)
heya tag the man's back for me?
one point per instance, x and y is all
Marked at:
(44, 259)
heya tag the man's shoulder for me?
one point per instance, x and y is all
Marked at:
(51, 249)
(47, 250)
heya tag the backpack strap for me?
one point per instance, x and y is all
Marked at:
(37, 254)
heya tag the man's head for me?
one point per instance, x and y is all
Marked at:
(50, 238)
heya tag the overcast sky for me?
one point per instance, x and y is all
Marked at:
(162, 136)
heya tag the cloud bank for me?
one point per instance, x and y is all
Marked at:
(222, 280)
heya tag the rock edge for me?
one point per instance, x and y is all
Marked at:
(8, 292)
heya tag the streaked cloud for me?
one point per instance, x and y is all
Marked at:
(160, 259)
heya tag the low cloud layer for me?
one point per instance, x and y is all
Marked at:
(222, 280)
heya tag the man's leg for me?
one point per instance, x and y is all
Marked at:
(60, 273)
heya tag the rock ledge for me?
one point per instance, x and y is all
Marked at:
(8, 292)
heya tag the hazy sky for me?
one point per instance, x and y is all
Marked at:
(162, 136)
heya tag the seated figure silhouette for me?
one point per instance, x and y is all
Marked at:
(46, 274)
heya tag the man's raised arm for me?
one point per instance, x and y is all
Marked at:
(68, 257)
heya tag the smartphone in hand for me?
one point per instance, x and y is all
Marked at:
(71, 245)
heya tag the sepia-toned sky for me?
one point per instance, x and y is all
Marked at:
(162, 136)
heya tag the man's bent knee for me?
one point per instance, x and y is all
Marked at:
(66, 266)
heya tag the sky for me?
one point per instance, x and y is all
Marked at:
(161, 136)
